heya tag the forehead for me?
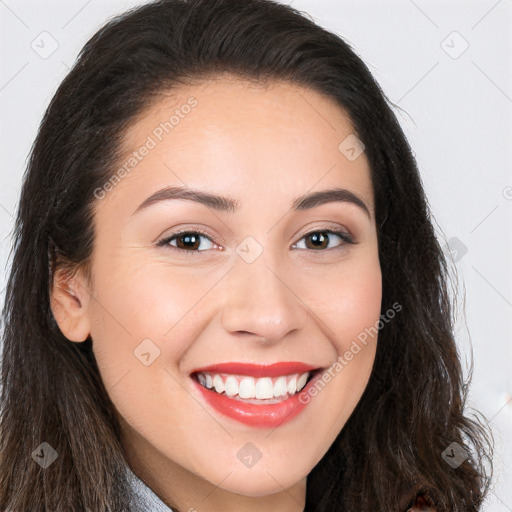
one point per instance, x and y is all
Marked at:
(228, 133)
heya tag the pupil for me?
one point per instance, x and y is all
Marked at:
(190, 239)
(318, 239)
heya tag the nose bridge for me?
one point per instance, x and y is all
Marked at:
(259, 300)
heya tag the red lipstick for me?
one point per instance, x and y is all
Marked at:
(258, 370)
(264, 415)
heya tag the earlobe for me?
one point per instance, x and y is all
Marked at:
(69, 302)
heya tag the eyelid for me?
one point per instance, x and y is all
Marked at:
(164, 241)
(346, 239)
(331, 229)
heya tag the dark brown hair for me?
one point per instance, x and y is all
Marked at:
(413, 408)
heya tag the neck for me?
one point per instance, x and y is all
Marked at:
(184, 491)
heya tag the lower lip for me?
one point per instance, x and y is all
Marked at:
(256, 415)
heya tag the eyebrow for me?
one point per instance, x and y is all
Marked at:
(230, 205)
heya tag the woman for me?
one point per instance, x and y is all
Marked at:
(179, 332)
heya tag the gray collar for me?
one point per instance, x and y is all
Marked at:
(147, 500)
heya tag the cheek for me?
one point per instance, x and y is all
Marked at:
(146, 314)
(347, 305)
(359, 301)
(348, 299)
(144, 327)
(149, 301)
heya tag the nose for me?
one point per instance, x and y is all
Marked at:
(260, 300)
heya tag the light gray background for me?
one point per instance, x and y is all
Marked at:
(455, 107)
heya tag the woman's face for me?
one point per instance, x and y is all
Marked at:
(260, 281)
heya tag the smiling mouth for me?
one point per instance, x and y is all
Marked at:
(255, 390)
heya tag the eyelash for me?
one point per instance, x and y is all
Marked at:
(346, 239)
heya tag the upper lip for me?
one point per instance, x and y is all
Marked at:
(258, 370)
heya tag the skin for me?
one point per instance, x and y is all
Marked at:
(263, 146)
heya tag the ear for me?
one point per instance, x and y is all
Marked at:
(69, 302)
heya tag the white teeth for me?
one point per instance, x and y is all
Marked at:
(218, 384)
(301, 381)
(280, 386)
(247, 388)
(231, 385)
(254, 388)
(264, 388)
(292, 385)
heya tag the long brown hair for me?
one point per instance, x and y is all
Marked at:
(413, 408)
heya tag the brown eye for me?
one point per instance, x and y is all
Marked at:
(188, 241)
(320, 239)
